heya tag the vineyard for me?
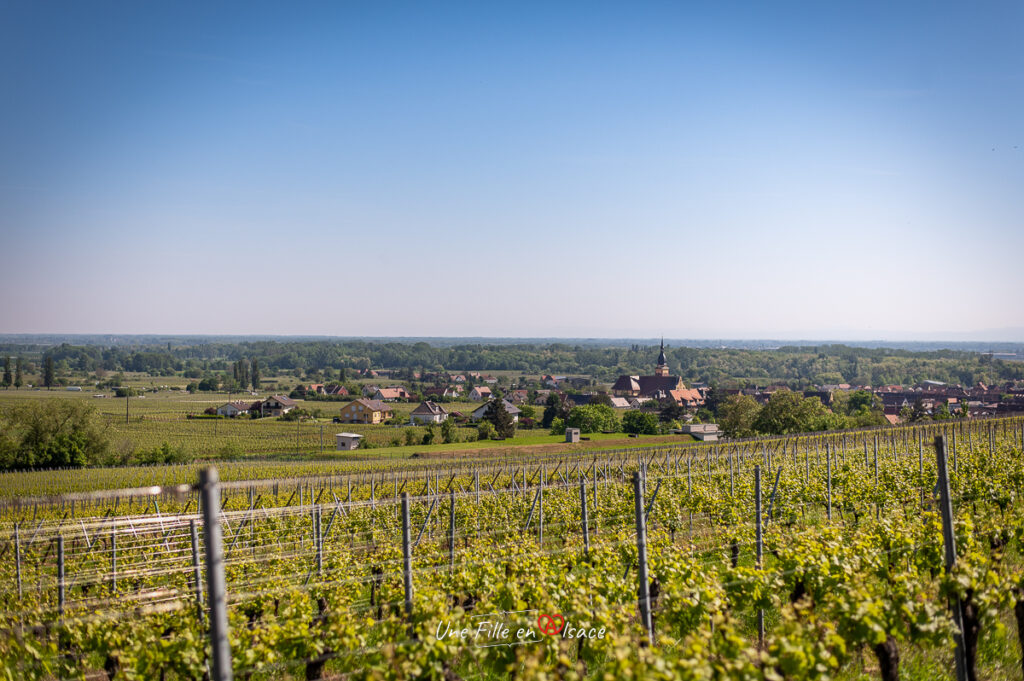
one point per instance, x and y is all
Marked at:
(812, 557)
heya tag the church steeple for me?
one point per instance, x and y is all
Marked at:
(662, 368)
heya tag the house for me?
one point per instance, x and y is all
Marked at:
(338, 390)
(365, 410)
(458, 378)
(428, 412)
(317, 388)
(277, 405)
(620, 403)
(519, 396)
(391, 394)
(687, 397)
(542, 397)
(654, 387)
(480, 411)
(347, 441)
(233, 409)
(480, 392)
(370, 390)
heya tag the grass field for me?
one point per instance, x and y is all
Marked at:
(161, 416)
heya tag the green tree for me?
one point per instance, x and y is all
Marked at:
(671, 411)
(448, 430)
(942, 413)
(635, 421)
(485, 431)
(254, 374)
(48, 377)
(737, 415)
(498, 415)
(8, 378)
(592, 418)
(555, 409)
(51, 433)
(789, 412)
(428, 436)
(18, 378)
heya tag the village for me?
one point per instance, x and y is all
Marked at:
(692, 409)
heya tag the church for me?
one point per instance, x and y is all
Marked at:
(660, 386)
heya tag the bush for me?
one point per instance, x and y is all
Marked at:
(485, 431)
(640, 422)
(230, 451)
(49, 434)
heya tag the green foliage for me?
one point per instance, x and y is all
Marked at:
(635, 421)
(485, 431)
(498, 415)
(448, 430)
(558, 427)
(737, 415)
(592, 418)
(789, 412)
(51, 433)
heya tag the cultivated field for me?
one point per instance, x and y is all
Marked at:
(834, 542)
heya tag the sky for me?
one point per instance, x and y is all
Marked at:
(833, 170)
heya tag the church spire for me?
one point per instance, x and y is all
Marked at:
(662, 368)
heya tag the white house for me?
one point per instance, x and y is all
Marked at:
(233, 409)
(512, 409)
(428, 412)
(347, 441)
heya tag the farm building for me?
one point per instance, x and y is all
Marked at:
(347, 441)
(428, 412)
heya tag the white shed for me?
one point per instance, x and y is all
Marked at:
(347, 441)
(572, 434)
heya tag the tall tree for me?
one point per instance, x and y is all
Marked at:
(18, 379)
(255, 374)
(497, 414)
(8, 378)
(48, 377)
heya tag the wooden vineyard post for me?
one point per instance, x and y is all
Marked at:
(759, 547)
(17, 556)
(641, 550)
(113, 561)
(209, 485)
(949, 541)
(451, 533)
(828, 481)
(920, 463)
(318, 540)
(540, 506)
(406, 556)
(60, 574)
(585, 520)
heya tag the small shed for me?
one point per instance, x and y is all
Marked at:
(572, 434)
(347, 441)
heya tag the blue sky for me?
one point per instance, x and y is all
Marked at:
(787, 170)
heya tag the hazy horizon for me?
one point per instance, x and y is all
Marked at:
(795, 170)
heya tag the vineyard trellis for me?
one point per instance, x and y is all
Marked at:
(341, 554)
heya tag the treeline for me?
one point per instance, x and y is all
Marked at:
(796, 367)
